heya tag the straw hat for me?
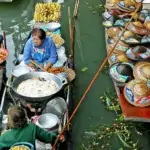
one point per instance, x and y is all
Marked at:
(138, 24)
(137, 92)
(128, 34)
(121, 72)
(142, 71)
(137, 27)
(130, 2)
(138, 53)
(147, 23)
(113, 31)
(118, 56)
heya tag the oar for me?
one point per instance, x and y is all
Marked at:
(34, 63)
(94, 79)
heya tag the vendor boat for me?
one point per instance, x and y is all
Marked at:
(56, 106)
(116, 15)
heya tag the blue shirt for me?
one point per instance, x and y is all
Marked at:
(40, 54)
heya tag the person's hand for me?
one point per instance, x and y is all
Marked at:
(32, 66)
(62, 138)
(47, 66)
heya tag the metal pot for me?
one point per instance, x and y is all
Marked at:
(48, 121)
(56, 106)
(41, 75)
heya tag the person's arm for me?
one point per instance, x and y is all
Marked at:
(53, 55)
(27, 52)
(45, 136)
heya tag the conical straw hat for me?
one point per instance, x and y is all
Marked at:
(142, 71)
(137, 92)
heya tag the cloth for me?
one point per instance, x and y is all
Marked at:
(40, 54)
(29, 133)
(42, 146)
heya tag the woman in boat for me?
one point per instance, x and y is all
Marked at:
(22, 131)
(40, 49)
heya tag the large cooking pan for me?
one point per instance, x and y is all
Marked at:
(42, 75)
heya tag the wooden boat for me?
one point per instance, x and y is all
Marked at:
(131, 112)
(65, 93)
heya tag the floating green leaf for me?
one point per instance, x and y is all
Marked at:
(84, 69)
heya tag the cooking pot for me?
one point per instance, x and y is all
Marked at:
(56, 106)
(48, 121)
(42, 76)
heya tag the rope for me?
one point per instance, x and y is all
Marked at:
(94, 78)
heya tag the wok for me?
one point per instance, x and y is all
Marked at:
(42, 76)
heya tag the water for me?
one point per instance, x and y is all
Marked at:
(16, 19)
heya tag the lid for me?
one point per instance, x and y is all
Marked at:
(142, 71)
(137, 92)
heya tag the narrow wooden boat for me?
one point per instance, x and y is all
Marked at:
(9, 96)
(130, 112)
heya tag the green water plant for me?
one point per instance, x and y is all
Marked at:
(103, 136)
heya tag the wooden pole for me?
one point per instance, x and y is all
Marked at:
(70, 32)
(4, 35)
(76, 8)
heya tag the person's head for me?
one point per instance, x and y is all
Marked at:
(17, 117)
(38, 36)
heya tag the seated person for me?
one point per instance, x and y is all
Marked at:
(22, 131)
(40, 49)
